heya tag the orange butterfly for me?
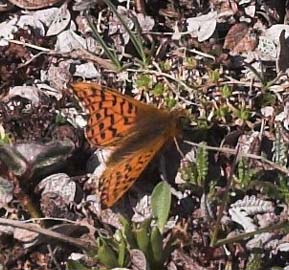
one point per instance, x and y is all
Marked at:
(137, 131)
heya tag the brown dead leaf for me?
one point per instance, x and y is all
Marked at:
(34, 4)
(240, 38)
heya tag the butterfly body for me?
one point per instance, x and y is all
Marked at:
(135, 130)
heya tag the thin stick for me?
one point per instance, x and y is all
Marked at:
(232, 151)
(202, 54)
(242, 236)
(157, 73)
(58, 219)
(226, 197)
(42, 49)
(178, 148)
(60, 237)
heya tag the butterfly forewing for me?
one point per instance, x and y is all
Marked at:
(111, 115)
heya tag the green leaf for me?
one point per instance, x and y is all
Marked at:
(245, 174)
(74, 265)
(142, 236)
(156, 245)
(243, 114)
(127, 232)
(222, 111)
(135, 38)
(283, 188)
(202, 164)
(60, 119)
(111, 54)
(121, 253)
(158, 89)
(170, 102)
(161, 203)
(190, 63)
(107, 256)
(214, 76)
(189, 173)
(165, 65)
(144, 81)
(226, 91)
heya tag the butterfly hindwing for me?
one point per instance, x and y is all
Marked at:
(119, 177)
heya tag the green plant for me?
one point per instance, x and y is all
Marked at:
(280, 188)
(4, 137)
(110, 52)
(279, 149)
(112, 252)
(214, 76)
(202, 123)
(161, 203)
(147, 236)
(222, 112)
(244, 173)
(158, 89)
(170, 102)
(190, 63)
(283, 188)
(226, 91)
(165, 65)
(243, 114)
(75, 265)
(60, 119)
(144, 81)
(259, 75)
(265, 99)
(196, 172)
(202, 164)
(135, 37)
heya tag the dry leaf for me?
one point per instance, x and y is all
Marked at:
(68, 40)
(6, 31)
(58, 184)
(240, 38)
(87, 71)
(60, 22)
(30, 93)
(202, 26)
(34, 4)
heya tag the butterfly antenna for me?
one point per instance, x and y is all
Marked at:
(178, 148)
(163, 172)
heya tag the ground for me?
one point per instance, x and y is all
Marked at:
(214, 194)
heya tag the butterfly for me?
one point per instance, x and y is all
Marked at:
(136, 131)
